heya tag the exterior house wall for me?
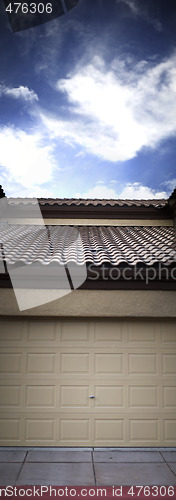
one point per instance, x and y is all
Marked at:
(98, 304)
(121, 344)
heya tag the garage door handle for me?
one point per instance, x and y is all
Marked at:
(91, 397)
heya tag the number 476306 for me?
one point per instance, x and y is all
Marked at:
(152, 491)
(31, 8)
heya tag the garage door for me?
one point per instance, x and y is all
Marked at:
(82, 383)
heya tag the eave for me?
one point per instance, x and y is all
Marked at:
(104, 212)
(172, 204)
(105, 281)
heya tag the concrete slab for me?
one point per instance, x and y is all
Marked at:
(127, 456)
(12, 456)
(172, 466)
(9, 473)
(48, 448)
(137, 448)
(59, 456)
(70, 448)
(169, 456)
(56, 474)
(133, 474)
(58, 448)
(15, 448)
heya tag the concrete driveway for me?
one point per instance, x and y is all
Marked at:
(87, 466)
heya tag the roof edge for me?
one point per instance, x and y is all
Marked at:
(2, 194)
(172, 203)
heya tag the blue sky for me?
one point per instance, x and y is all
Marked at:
(88, 102)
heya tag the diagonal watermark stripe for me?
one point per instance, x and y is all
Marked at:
(30, 13)
(64, 6)
(44, 263)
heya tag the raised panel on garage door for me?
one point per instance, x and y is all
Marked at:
(87, 383)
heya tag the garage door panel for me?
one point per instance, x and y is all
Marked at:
(168, 333)
(11, 331)
(169, 364)
(143, 364)
(74, 363)
(110, 331)
(75, 332)
(10, 396)
(141, 396)
(144, 430)
(74, 396)
(111, 396)
(40, 395)
(10, 362)
(108, 363)
(168, 338)
(169, 396)
(75, 429)
(40, 363)
(109, 430)
(49, 370)
(43, 331)
(10, 430)
(140, 333)
(170, 431)
(40, 429)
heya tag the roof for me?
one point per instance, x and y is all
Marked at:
(159, 203)
(90, 202)
(173, 195)
(2, 194)
(70, 208)
(96, 245)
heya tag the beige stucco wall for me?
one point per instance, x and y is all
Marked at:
(98, 303)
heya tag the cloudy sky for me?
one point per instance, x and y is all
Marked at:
(88, 102)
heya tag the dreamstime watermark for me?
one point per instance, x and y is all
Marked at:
(42, 261)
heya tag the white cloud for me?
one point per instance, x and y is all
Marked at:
(98, 192)
(19, 93)
(114, 114)
(81, 154)
(131, 4)
(143, 10)
(171, 185)
(137, 191)
(13, 191)
(25, 159)
(130, 191)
